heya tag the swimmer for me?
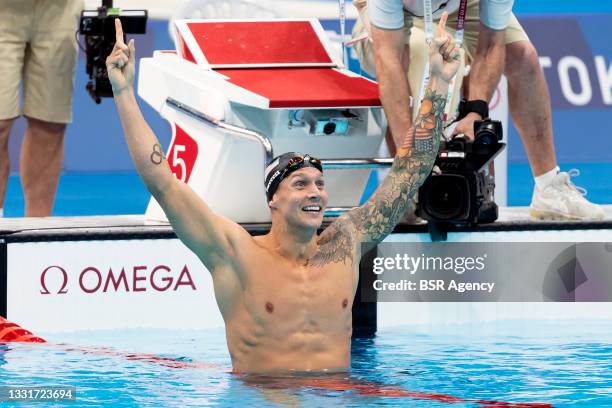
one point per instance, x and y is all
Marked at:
(286, 296)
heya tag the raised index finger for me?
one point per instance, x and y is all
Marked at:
(118, 31)
(442, 25)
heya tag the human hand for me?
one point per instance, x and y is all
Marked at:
(466, 125)
(120, 64)
(444, 56)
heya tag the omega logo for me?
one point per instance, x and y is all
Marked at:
(62, 290)
(54, 280)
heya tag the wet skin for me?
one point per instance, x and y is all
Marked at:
(286, 296)
(286, 309)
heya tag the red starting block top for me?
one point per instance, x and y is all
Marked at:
(305, 87)
(288, 62)
(254, 43)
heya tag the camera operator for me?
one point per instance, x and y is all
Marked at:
(37, 49)
(495, 43)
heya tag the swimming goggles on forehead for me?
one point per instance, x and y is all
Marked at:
(293, 164)
(298, 161)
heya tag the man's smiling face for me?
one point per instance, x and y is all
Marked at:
(301, 198)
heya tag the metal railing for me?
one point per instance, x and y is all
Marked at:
(218, 123)
(268, 150)
(356, 163)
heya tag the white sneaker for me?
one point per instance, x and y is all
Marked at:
(562, 200)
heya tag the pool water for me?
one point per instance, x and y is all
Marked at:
(561, 363)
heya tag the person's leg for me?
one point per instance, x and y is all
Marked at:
(533, 121)
(16, 21)
(554, 196)
(5, 129)
(42, 155)
(529, 104)
(48, 83)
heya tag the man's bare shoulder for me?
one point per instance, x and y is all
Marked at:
(232, 240)
(236, 231)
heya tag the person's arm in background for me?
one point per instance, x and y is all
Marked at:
(208, 235)
(392, 59)
(489, 60)
(378, 216)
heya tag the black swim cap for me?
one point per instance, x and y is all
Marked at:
(282, 166)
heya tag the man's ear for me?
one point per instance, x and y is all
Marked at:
(272, 202)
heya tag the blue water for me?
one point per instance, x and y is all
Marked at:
(560, 363)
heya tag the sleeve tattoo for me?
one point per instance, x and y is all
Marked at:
(378, 216)
(375, 219)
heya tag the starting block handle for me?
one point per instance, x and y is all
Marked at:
(267, 147)
(352, 164)
(357, 163)
(218, 123)
(336, 211)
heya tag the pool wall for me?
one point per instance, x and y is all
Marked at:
(86, 273)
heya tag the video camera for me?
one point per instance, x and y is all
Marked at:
(98, 27)
(460, 190)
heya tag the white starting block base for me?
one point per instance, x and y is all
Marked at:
(83, 273)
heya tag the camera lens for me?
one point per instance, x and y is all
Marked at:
(446, 198)
(485, 138)
(484, 141)
(329, 128)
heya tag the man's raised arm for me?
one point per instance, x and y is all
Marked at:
(377, 217)
(205, 233)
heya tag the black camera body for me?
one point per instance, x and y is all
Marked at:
(460, 190)
(98, 28)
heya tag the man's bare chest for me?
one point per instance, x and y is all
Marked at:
(307, 295)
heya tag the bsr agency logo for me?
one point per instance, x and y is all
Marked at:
(55, 279)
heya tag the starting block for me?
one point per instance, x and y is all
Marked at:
(238, 92)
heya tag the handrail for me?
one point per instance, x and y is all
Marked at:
(356, 163)
(336, 211)
(268, 151)
(237, 130)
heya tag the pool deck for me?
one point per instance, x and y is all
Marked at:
(111, 227)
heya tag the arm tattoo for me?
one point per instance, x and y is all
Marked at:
(428, 126)
(336, 244)
(379, 215)
(158, 154)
